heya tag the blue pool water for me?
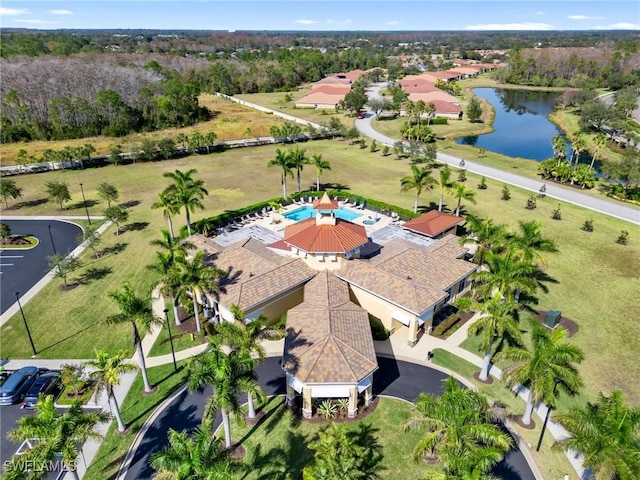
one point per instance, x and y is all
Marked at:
(309, 212)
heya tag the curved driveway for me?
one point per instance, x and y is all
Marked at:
(395, 378)
(22, 269)
(623, 212)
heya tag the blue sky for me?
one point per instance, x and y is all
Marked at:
(381, 15)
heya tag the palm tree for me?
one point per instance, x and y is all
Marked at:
(243, 337)
(227, 375)
(169, 208)
(196, 278)
(487, 236)
(297, 160)
(420, 179)
(599, 141)
(497, 324)
(282, 160)
(458, 421)
(607, 434)
(196, 457)
(165, 266)
(462, 192)
(550, 362)
(138, 313)
(58, 433)
(321, 165)
(506, 276)
(559, 146)
(186, 192)
(530, 242)
(579, 144)
(468, 464)
(445, 183)
(106, 371)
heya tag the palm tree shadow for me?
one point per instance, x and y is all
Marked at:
(115, 249)
(92, 274)
(68, 337)
(278, 462)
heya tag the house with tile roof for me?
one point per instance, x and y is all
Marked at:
(434, 224)
(328, 349)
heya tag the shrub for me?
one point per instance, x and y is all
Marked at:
(342, 404)
(378, 330)
(385, 150)
(483, 184)
(531, 203)
(327, 409)
(374, 146)
(444, 326)
(363, 144)
(587, 226)
(557, 214)
(462, 175)
(506, 194)
(623, 238)
(439, 121)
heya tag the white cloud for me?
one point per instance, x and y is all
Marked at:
(34, 21)
(303, 21)
(618, 26)
(393, 22)
(511, 26)
(539, 12)
(13, 11)
(583, 17)
(60, 12)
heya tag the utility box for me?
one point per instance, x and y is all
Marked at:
(553, 318)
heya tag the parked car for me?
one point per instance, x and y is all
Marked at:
(14, 387)
(361, 115)
(47, 383)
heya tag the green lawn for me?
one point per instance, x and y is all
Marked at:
(278, 446)
(135, 409)
(552, 464)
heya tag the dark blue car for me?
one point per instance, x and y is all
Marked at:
(14, 387)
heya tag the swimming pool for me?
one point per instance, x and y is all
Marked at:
(309, 212)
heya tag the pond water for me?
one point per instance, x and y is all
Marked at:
(521, 127)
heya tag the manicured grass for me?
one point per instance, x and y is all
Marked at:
(278, 446)
(135, 409)
(552, 464)
(231, 121)
(596, 277)
(181, 341)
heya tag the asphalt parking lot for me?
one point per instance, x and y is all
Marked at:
(22, 269)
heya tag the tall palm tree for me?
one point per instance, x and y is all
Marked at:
(419, 180)
(227, 375)
(165, 265)
(195, 279)
(105, 372)
(498, 324)
(243, 337)
(599, 141)
(607, 434)
(530, 242)
(457, 421)
(487, 236)
(169, 208)
(321, 165)
(196, 457)
(559, 146)
(506, 276)
(579, 144)
(462, 192)
(297, 160)
(186, 192)
(136, 311)
(282, 161)
(551, 360)
(59, 433)
(445, 183)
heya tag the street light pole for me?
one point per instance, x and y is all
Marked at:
(556, 381)
(52, 243)
(84, 201)
(173, 353)
(25, 324)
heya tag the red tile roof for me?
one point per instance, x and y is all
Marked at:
(320, 98)
(422, 87)
(432, 223)
(331, 89)
(325, 203)
(339, 238)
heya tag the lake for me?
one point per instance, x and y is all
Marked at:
(521, 127)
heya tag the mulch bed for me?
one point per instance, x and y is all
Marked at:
(566, 323)
(341, 417)
(15, 241)
(518, 419)
(69, 286)
(238, 452)
(488, 381)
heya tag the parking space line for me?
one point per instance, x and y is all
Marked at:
(11, 256)
(6, 264)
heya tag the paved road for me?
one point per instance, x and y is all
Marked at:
(22, 269)
(396, 378)
(614, 209)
